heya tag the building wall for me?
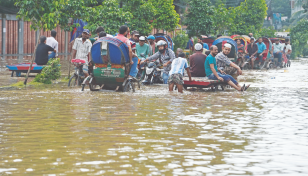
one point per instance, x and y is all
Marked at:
(19, 38)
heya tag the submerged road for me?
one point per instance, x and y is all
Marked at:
(55, 130)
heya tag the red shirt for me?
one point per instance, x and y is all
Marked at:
(123, 39)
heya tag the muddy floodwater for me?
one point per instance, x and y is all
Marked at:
(56, 130)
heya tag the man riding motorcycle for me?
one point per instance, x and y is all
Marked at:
(165, 56)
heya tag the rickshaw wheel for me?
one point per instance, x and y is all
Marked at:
(129, 87)
(93, 87)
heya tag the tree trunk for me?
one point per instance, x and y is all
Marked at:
(33, 58)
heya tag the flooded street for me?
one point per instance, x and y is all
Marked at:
(56, 130)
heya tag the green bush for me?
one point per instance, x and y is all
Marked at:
(180, 40)
(51, 71)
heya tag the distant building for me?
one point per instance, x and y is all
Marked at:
(295, 6)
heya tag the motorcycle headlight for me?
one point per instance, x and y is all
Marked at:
(149, 71)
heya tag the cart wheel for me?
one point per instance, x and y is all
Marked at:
(185, 87)
(222, 87)
(216, 88)
(93, 87)
(12, 75)
(129, 87)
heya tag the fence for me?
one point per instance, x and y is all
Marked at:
(17, 38)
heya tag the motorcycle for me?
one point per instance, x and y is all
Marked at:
(153, 74)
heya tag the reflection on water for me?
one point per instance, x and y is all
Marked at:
(65, 131)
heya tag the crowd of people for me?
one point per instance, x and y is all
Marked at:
(204, 62)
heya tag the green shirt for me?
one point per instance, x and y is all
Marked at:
(210, 60)
(142, 49)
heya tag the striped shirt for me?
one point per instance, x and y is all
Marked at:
(83, 49)
(222, 60)
(178, 65)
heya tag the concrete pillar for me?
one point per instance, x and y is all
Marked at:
(66, 45)
(20, 40)
(3, 34)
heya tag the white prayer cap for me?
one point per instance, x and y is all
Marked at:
(142, 38)
(198, 47)
(227, 45)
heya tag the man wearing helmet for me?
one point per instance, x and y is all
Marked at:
(165, 56)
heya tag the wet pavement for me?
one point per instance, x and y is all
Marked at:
(55, 130)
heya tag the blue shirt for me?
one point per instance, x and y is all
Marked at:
(178, 65)
(210, 60)
(189, 44)
(261, 47)
(206, 46)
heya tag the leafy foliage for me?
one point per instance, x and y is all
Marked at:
(108, 15)
(199, 19)
(48, 14)
(223, 19)
(165, 17)
(266, 32)
(141, 16)
(299, 38)
(180, 40)
(249, 16)
(51, 71)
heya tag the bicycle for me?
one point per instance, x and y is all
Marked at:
(78, 75)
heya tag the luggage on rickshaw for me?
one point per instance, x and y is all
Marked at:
(111, 66)
(223, 40)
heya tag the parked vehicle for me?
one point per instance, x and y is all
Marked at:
(23, 68)
(112, 67)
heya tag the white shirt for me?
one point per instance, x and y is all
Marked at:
(178, 65)
(288, 47)
(52, 42)
(83, 49)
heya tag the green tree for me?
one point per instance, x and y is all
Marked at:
(299, 38)
(199, 19)
(249, 16)
(108, 15)
(180, 40)
(141, 16)
(165, 17)
(223, 19)
(47, 14)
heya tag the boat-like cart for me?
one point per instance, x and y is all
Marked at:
(23, 68)
(111, 66)
(203, 82)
